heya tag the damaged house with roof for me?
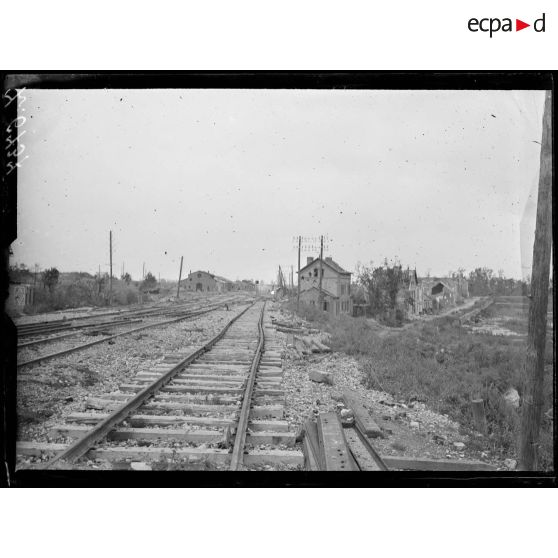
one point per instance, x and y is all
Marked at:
(445, 291)
(335, 286)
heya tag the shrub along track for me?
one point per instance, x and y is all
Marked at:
(218, 407)
(179, 313)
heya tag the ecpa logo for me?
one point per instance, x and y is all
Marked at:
(492, 25)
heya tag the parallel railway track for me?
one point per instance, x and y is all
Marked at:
(121, 316)
(181, 315)
(219, 407)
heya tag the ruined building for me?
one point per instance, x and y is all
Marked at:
(336, 286)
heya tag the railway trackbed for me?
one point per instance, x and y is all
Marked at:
(220, 407)
(44, 332)
(80, 322)
(179, 315)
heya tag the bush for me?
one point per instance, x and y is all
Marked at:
(307, 311)
(80, 291)
(125, 295)
(443, 365)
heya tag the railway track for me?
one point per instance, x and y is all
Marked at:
(220, 407)
(180, 314)
(121, 316)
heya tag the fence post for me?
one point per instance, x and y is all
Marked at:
(479, 415)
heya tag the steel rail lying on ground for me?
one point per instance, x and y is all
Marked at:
(104, 340)
(82, 446)
(370, 448)
(240, 438)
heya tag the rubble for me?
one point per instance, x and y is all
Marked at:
(321, 377)
(511, 397)
(510, 464)
(397, 418)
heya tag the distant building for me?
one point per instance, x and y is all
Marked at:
(244, 285)
(410, 297)
(203, 281)
(445, 291)
(336, 286)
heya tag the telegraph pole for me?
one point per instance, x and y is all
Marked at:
(538, 307)
(179, 278)
(298, 280)
(110, 276)
(292, 280)
(321, 296)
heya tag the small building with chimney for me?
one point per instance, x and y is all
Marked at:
(335, 289)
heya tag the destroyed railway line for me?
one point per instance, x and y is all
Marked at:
(181, 315)
(221, 405)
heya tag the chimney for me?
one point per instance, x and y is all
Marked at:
(328, 259)
(309, 260)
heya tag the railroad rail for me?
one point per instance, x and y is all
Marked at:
(83, 346)
(56, 326)
(220, 406)
(89, 328)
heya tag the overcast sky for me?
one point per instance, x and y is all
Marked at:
(226, 178)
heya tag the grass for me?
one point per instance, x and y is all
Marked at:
(445, 366)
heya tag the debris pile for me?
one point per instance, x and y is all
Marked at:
(325, 446)
(302, 340)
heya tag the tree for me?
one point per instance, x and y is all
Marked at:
(150, 282)
(127, 278)
(20, 273)
(383, 284)
(480, 281)
(50, 278)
